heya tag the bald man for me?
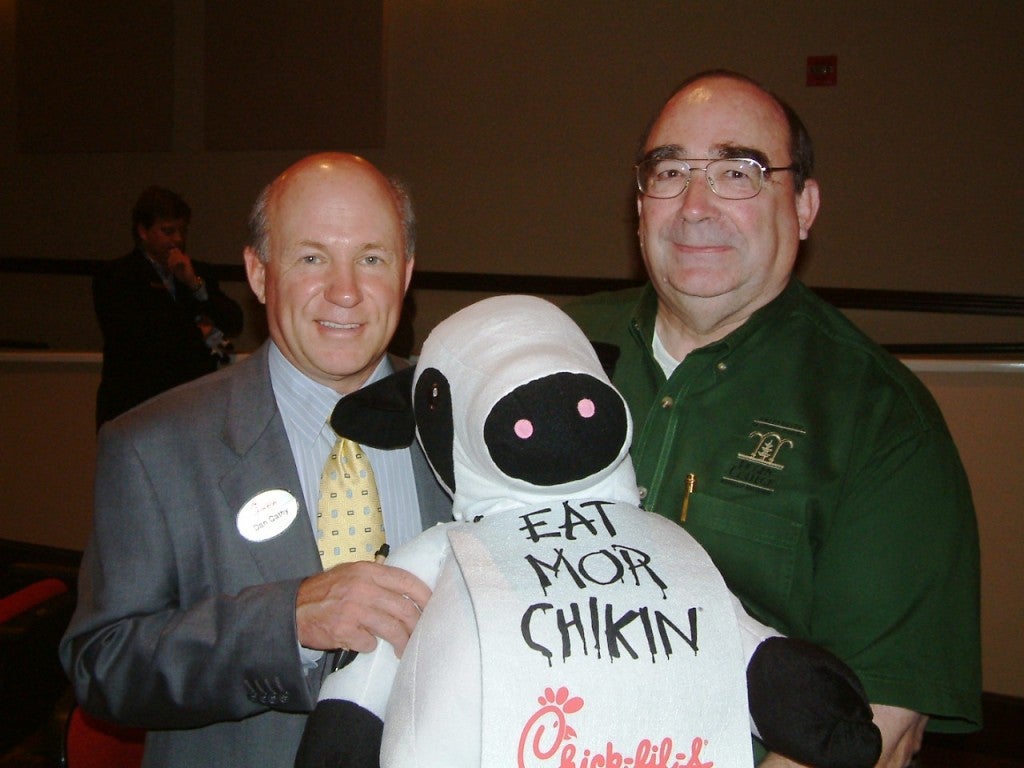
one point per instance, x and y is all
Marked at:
(204, 614)
(815, 469)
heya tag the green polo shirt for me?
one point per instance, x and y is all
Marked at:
(826, 488)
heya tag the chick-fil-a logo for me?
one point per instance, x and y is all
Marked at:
(547, 740)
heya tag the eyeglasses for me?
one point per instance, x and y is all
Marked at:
(731, 178)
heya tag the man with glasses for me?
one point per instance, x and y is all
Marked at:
(815, 469)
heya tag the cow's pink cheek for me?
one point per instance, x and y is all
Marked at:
(524, 428)
(586, 407)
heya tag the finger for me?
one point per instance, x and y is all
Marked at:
(179, 261)
(404, 583)
(389, 628)
(359, 639)
(328, 607)
(393, 610)
(352, 604)
(392, 618)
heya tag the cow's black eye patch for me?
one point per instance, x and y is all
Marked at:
(556, 429)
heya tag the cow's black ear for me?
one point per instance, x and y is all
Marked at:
(380, 414)
(607, 354)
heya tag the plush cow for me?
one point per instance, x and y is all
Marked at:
(567, 627)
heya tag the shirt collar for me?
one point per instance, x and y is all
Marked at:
(646, 310)
(305, 403)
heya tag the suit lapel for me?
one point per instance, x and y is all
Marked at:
(254, 431)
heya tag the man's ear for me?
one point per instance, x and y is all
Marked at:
(380, 414)
(409, 264)
(807, 203)
(256, 271)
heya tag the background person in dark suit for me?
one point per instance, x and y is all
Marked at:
(204, 612)
(164, 319)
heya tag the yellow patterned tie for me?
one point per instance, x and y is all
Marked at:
(349, 519)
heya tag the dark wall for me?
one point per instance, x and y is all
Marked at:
(516, 125)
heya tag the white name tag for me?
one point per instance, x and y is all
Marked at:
(267, 514)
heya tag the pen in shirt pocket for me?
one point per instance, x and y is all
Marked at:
(691, 483)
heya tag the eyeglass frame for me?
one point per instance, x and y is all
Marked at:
(766, 170)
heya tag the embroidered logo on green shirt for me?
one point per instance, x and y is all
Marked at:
(758, 468)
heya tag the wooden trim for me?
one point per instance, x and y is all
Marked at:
(957, 348)
(849, 298)
(87, 267)
(554, 285)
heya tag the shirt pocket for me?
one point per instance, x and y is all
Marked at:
(757, 553)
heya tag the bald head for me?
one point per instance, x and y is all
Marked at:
(317, 170)
(331, 259)
(801, 148)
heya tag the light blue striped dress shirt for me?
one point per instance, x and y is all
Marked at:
(305, 407)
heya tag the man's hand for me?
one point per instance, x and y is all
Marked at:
(180, 266)
(351, 605)
(902, 731)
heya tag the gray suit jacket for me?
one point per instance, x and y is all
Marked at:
(183, 626)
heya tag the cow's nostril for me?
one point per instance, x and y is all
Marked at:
(524, 428)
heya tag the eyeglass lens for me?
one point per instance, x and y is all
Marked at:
(729, 178)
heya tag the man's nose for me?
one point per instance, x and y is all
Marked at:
(342, 287)
(698, 198)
